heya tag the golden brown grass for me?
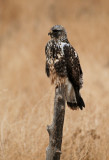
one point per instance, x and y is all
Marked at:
(26, 96)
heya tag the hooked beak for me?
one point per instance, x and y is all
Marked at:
(50, 33)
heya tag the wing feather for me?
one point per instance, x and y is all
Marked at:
(47, 66)
(74, 71)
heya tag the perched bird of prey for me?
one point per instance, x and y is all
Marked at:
(63, 66)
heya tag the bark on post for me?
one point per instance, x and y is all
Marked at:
(55, 130)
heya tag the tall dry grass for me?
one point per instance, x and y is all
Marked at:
(26, 95)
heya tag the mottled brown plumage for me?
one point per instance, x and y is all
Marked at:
(63, 66)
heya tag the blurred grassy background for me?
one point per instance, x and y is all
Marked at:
(26, 95)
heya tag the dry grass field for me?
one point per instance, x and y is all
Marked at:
(26, 95)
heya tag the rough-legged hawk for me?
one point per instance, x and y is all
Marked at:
(63, 66)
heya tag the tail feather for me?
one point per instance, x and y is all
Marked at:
(80, 101)
(78, 104)
(72, 106)
(73, 97)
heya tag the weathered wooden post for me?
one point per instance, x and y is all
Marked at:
(55, 130)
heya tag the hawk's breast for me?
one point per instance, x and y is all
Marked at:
(57, 62)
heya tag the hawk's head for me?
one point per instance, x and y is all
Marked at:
(58, 32)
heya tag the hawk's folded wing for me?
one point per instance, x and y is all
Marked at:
(47, 67)
(74, 70)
